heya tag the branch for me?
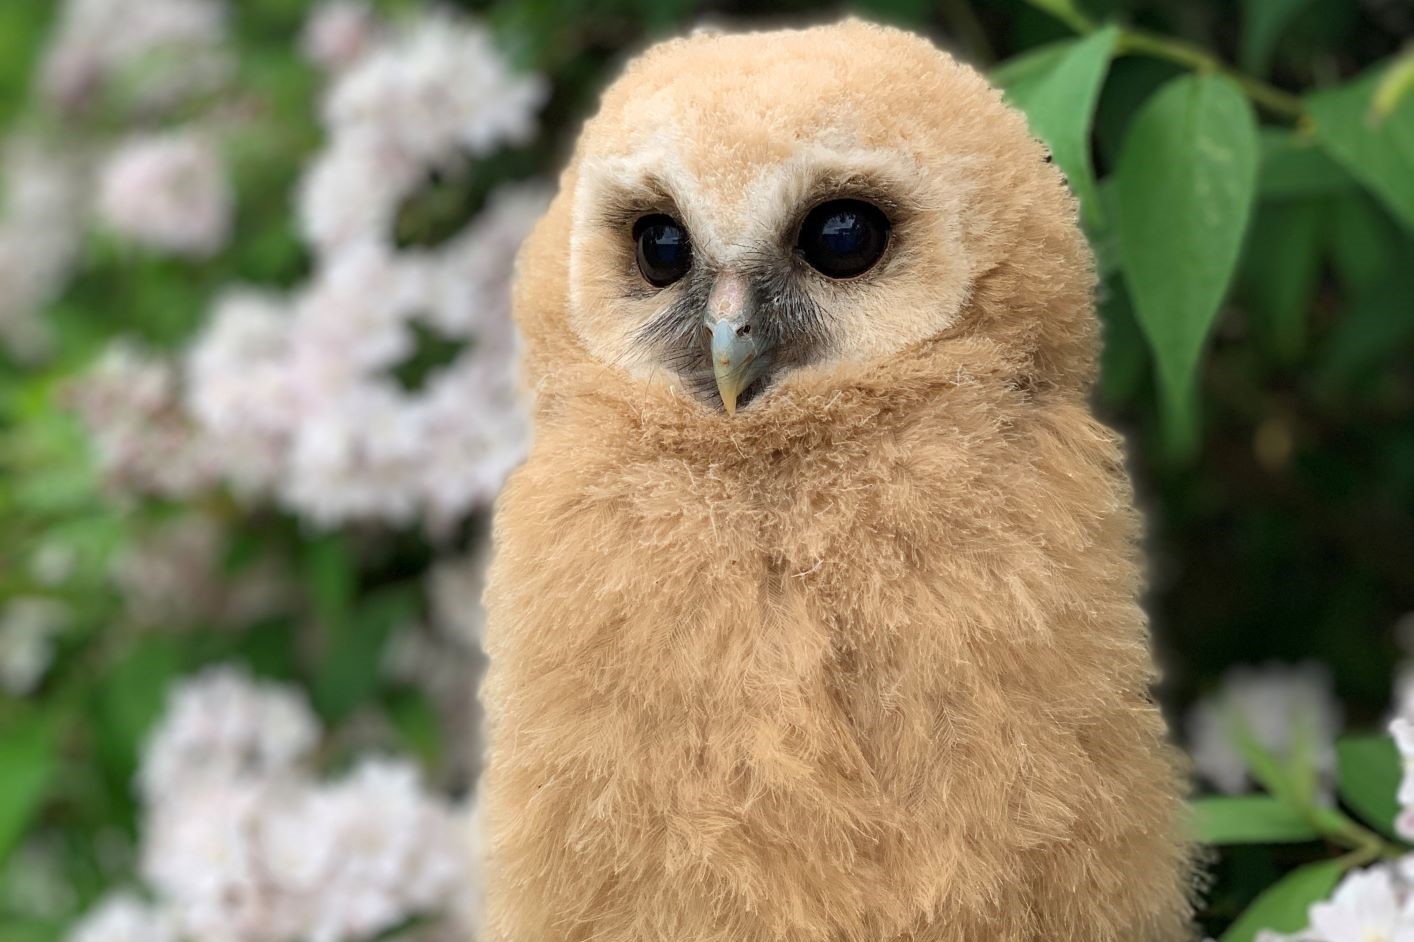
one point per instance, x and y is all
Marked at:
(1144, 43)
(1267, 96)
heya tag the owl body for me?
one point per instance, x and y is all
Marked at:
(861, 660)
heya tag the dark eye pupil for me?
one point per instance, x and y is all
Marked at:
(844, 238)
(663, 251)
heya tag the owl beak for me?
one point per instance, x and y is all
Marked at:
(733, 356)
(735, 344)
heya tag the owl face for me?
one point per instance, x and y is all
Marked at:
(749, 207)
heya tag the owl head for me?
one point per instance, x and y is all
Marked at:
(752, 216)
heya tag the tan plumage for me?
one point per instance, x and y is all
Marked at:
(863, 661)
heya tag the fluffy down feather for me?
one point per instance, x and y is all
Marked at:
(865, 661)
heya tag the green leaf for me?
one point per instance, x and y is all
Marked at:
(1394, 87)
(1064, 10)
(1293, 166)
(417, 722)
(1124, 360)
(1369, 772)
(28, 754)
(1183, 189)
(433, 351)
(1364, 242)
(331, 575)
(1058, 94)
(903, 12)
(130, 698)
(1375, 332)
(1280, 270)
(1028, 67)
(1379, 152)
(1262, 24)
(22, 29)
(1249, 819)
(349, 672)
(1283, 907)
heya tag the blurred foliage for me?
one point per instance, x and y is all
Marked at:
(1246, 172)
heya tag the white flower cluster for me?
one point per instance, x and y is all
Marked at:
(1290, 712)
(158, 50)
(301, 392)
(426, 95)
(144, 441)
(40, 228)
(28, 627)
(338, 33)
(300, 398)
(241, 844)
(444, 658)
(223, 727)
(1371, 905)
(124, 917)
(167, 192)
(1281, 708)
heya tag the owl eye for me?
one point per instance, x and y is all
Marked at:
(843, 238)
(663, 250)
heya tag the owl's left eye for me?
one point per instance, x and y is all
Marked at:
(662, 248)
(843, 238)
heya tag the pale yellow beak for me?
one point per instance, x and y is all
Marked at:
(736, 345)
(733, 355)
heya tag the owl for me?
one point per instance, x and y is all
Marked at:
(813, 614)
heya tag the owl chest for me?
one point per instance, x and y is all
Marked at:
(704, 613)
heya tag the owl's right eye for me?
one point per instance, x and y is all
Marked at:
(663, 250)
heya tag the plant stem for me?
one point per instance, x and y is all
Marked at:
(1144, 43)
(1270, 97)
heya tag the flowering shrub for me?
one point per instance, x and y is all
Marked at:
(258, 392)
(1275, 729)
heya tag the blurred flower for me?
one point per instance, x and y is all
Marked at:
(35, 882)
(168, 192)
(404, 860)
(200, 854)
(163, 50)
(437, 87)
(239, 387)
(145, 442)
(339, 32)
(469, 278)
(444, 658)
(1402, 729)
(309, 386)
(28, 625)
(176, 575)
(52, 564)
(456, 586)
(241, 845)
(384, 389)
(1403, 699)
(351, 193)
(1287, 710)
(270, 860)
(223, 726)
(42, 216)
(353, 320)
(426, 95)
(1364, 907)
(123, 917)
(1375, 904)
